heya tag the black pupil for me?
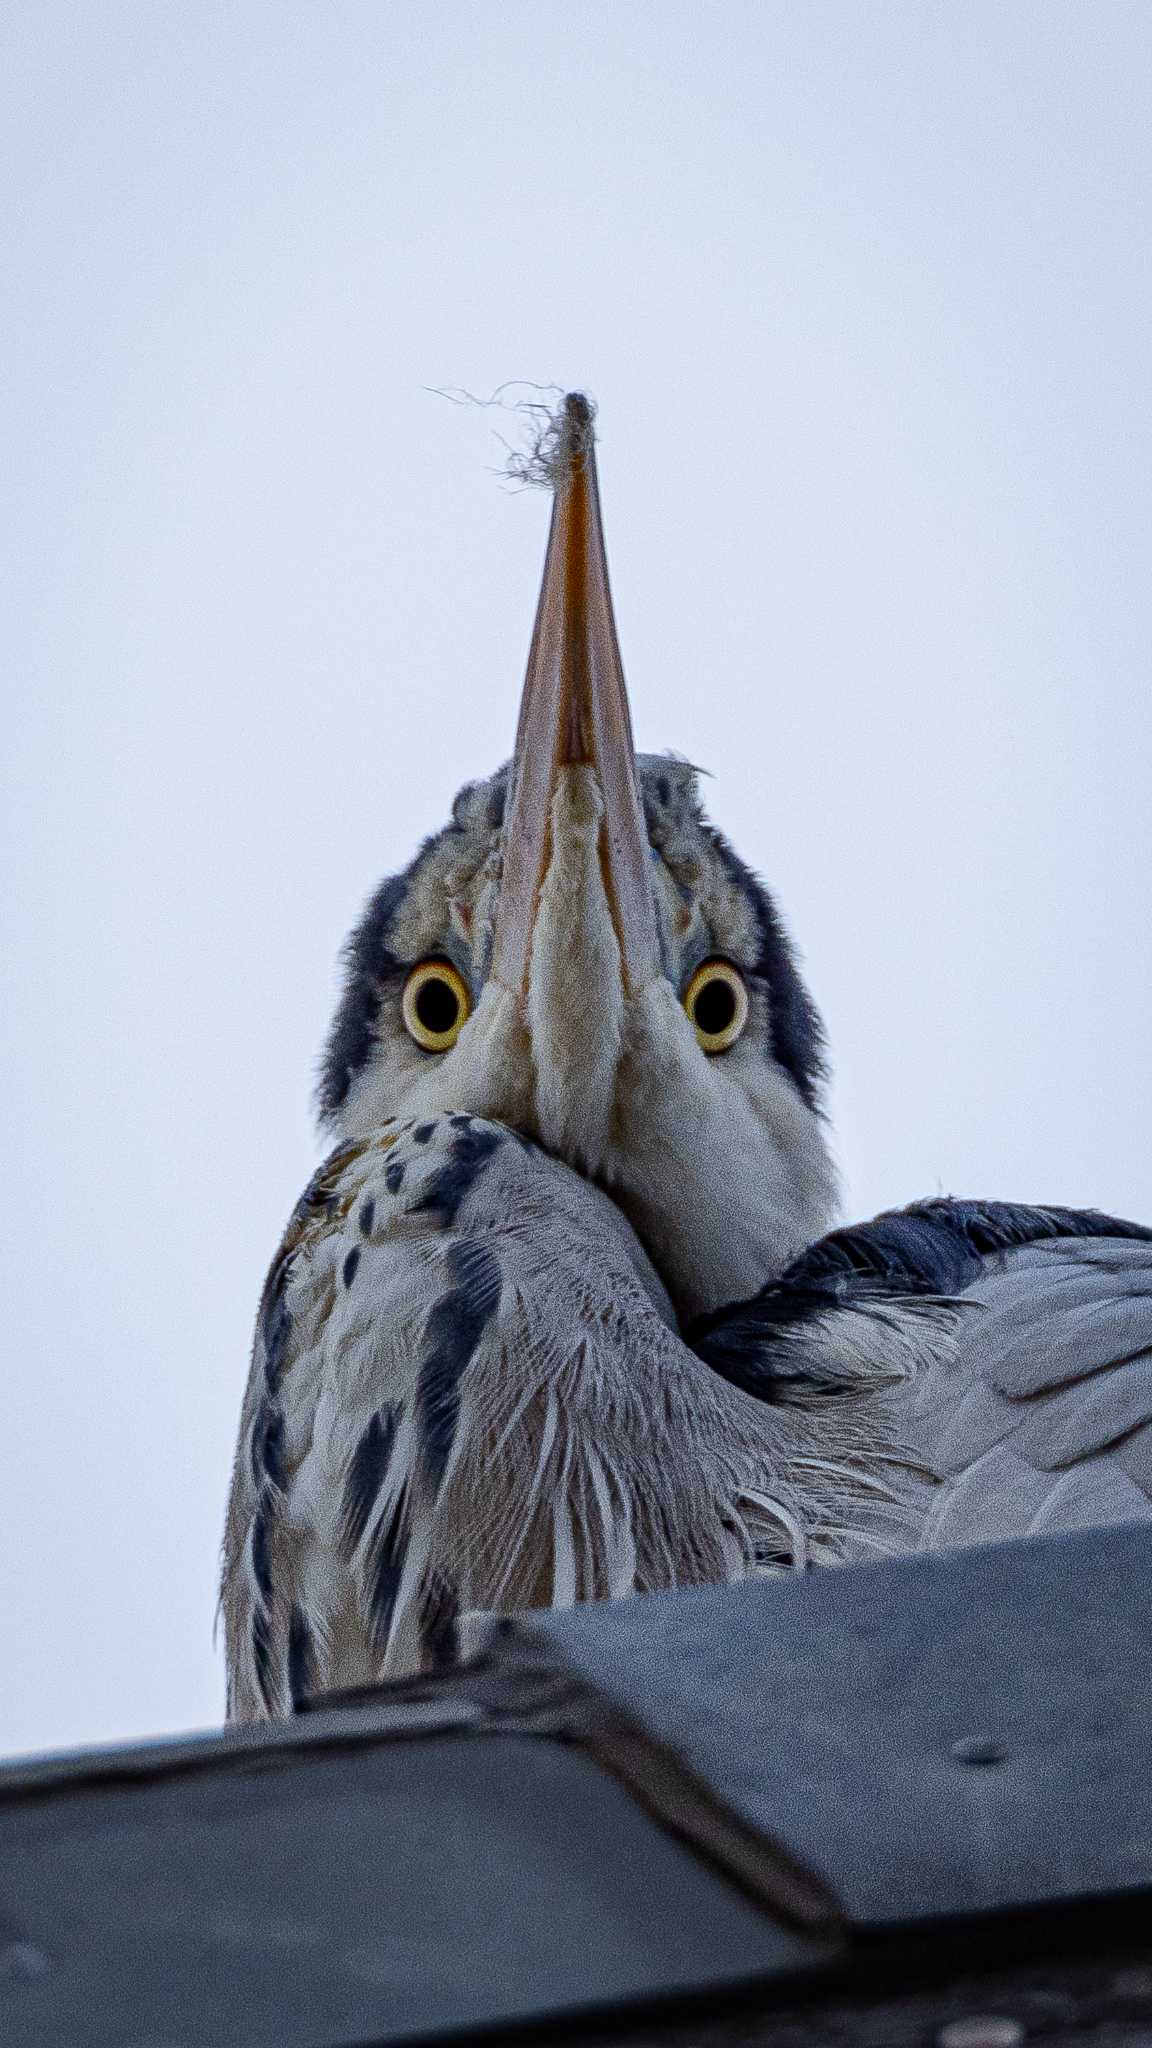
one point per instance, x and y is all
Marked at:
(714, 1007)
(437, 1004)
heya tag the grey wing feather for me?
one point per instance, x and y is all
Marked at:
(1039, 1416)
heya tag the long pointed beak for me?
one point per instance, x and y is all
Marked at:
(575, 710)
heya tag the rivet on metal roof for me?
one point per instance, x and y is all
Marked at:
(979, 1749)
(20, 1961)
(1133, 1983)
(983, 2030)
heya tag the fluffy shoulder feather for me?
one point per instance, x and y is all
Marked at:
(1031, 1404)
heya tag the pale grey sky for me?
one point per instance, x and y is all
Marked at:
(863, 293)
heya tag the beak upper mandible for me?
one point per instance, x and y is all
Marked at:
(575, 710)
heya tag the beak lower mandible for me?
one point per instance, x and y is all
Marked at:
(575, 710)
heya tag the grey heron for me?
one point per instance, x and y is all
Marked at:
(562, 1317)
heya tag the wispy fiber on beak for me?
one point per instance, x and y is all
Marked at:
(574, 711)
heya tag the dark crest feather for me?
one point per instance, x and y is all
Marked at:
(911, 1259)
(797, 1032)
(370, 964)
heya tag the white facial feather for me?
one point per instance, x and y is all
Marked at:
(717, 1163)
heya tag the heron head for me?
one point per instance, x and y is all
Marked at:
(580, 955)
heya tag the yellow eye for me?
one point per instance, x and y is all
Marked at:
(436, 1005)
(717, 1003)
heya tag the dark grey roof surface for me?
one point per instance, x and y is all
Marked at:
(405, 1888)
(958, 1732)
(675, 1793)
